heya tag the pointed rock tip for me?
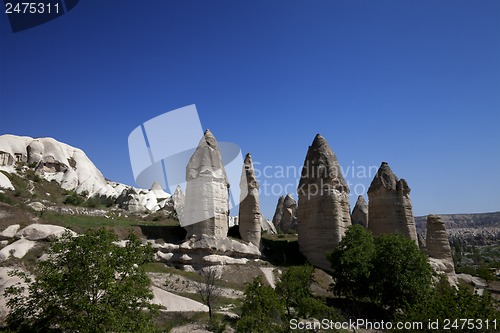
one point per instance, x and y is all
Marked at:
(156, 186)
(248, 157)
(361, 200)
(318, 140)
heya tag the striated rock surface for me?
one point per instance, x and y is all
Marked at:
(206, 207)
(360, 212)
(437, 243)
(389, 205)
(323, 211)
(249, 216)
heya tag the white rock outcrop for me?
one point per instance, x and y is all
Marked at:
(10, 231)
(206, 208)
(18, 249)
(5, 183)
(36, 232)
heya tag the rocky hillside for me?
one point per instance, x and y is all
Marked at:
(473, 229)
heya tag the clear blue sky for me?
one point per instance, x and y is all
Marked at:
(413, 83)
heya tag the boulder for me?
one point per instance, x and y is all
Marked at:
(206, 207)
(36, 232)
(10, 231)
(437, 243)
(249, 214)
(389, 205)
(5, 182)
(360, 212)
(323, 211)
(37, 206)
(176, 303)
(18, 249)
(6, 281)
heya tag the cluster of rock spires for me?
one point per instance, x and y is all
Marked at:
(320, 218)
(285, 216)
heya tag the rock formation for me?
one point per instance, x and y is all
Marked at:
(437, 243)
(360, 213)
(206, 207)
(179, 199)
(278, 213)
(285, 216)
(323, 211)
(249, 216)
(389, 205)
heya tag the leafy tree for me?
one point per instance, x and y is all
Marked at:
(262, 310)
(388, 270)
(447, 302)
(401, 273)
(87, 284)
(352, 262)
(295, 292)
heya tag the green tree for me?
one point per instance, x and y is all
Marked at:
(262, 310)
(447, 302)
(352, 262)
(295, 293)
(87, 284)
(401, 273)
(388, 270)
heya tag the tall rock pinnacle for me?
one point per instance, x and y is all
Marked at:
(323, 211)
(437, 243)
(285, 215)
(206, 206)
(360, 213)
(249, 216)
(389, 205)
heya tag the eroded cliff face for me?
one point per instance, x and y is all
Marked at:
(389, 205)
(249, 215)
(323, 211)
(206, 206)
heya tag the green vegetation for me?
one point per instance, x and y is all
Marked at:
(446, 302)
(88, 284)
(389, 270)
(270, 310)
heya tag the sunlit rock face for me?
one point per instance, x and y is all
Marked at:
(206, 207)
(437, 243)
(249, 215)
(285, 216)
(323, 211)
(389, 205)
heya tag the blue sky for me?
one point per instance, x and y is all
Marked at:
(413, 83)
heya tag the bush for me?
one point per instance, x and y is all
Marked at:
(87, 284)
(388, 270)
(446, 302)
(74, 199)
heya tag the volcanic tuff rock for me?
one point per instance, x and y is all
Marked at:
(285, 216)
(179, 199)
(249, 216)
(206, 207)
(360, 212)
(389, 205)
(437, 243)
(323, 211)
